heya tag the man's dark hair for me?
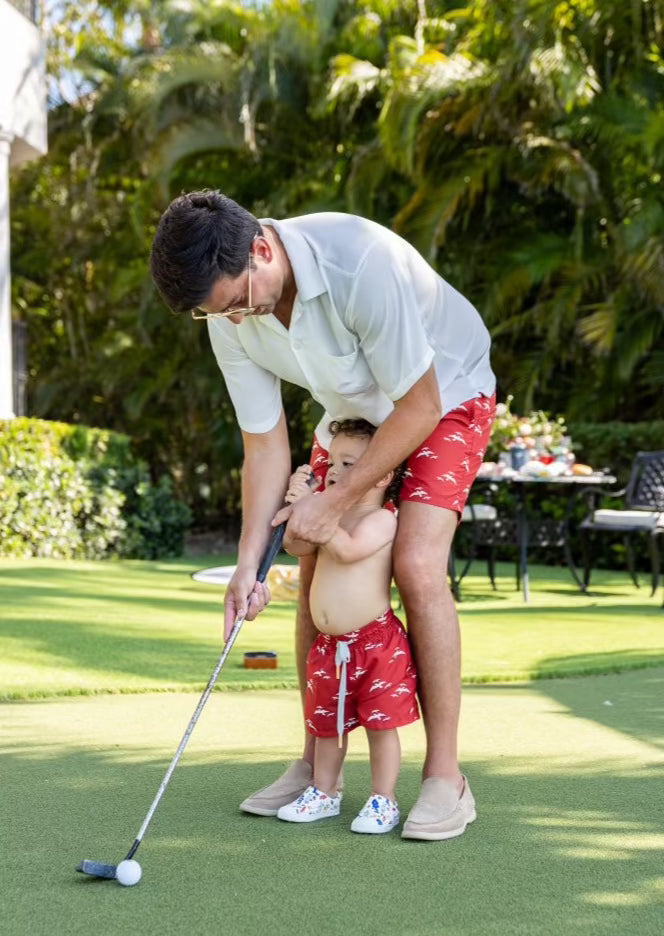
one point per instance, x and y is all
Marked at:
(200, 237)
(364, 429)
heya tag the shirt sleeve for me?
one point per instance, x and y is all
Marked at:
(255, 393)
(385, 313)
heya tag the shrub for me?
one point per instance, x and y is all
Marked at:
(76, 492)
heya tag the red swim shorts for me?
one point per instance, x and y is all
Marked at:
(380, 679)
(442, 470)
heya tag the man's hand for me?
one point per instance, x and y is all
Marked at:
(312, 519)
(244, 596)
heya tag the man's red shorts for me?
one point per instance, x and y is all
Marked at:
(441, 471)
(381, 680)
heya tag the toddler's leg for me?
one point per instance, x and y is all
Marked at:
(385, 754)
(321, 800)
(328, 759)
(380, 813)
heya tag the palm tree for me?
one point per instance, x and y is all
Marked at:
(527, 138)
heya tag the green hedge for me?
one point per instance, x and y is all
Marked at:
(613, 445)
(76, 492)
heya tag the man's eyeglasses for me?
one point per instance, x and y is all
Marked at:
(199, 315)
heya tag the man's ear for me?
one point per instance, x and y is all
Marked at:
(262, 248)
(386, 481)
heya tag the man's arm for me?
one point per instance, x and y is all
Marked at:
(370, 535)
(413, 419)
(265, 473)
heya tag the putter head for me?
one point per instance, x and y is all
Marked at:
(97, 869)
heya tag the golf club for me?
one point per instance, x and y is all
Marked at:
(96, 868)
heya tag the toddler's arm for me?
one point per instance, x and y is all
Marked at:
(370, 535)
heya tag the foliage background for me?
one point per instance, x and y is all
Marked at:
(519, 144)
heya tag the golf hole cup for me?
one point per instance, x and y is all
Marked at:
(128, 873)
(261, 659)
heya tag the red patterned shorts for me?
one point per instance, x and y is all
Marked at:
(441, 471)
(380, 679)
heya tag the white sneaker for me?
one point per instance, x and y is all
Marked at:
(379, 814)
(311, 805)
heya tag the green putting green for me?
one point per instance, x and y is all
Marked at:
(70, 628)
(569, 836)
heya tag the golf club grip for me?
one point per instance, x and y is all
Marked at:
(271, 550)
(274, 545)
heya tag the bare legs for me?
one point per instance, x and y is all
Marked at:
(305, 634)
(385, 754)
(327, 764)
(421, 548)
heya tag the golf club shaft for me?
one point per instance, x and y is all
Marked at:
(271, 551)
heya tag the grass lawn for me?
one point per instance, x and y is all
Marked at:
(569, 837)
(88, 627)
(568, 773)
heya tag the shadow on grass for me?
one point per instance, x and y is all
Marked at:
(632, 702)
(550, 854)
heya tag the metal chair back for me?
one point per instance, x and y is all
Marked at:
(645, 489)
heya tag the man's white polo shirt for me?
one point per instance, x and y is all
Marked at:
(369, 318)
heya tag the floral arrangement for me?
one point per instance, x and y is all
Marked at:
(537, 430)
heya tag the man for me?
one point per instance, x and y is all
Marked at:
(350, 311)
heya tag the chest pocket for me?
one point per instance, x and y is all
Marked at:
(344, 374)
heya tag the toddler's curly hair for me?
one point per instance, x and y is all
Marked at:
(362, 428)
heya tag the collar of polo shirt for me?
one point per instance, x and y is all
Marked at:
(308, 280)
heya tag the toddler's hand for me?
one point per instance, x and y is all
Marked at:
(300, 484)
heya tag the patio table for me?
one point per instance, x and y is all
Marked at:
(525, 527)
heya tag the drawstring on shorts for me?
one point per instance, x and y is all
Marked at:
(341, 659)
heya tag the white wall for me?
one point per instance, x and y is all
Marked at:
(22, 84)
(22, 137)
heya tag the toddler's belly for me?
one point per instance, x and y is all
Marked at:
(341, 607)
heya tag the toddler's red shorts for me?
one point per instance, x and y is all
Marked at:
(380, 675)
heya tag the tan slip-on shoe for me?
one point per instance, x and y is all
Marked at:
(440, 813)
(290, 785)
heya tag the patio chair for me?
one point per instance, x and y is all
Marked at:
(641, 515)
(485, 526)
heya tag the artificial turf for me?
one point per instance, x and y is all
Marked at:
(69, 627)
(568, 776)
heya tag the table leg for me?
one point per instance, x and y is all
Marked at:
(522, 534)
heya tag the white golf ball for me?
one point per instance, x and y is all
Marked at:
(128, 872)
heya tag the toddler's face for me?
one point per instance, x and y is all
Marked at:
(344, 452)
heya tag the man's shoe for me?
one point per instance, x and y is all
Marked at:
(283, 791)
(440, 813)
(311, 805)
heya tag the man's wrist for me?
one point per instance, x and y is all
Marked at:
(344, 494)
(247, 562)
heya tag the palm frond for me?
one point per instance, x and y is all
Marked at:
(564, 75)
(351, 80)
(191, 136)
(598, 329)
(368, 170)
(430, 78)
